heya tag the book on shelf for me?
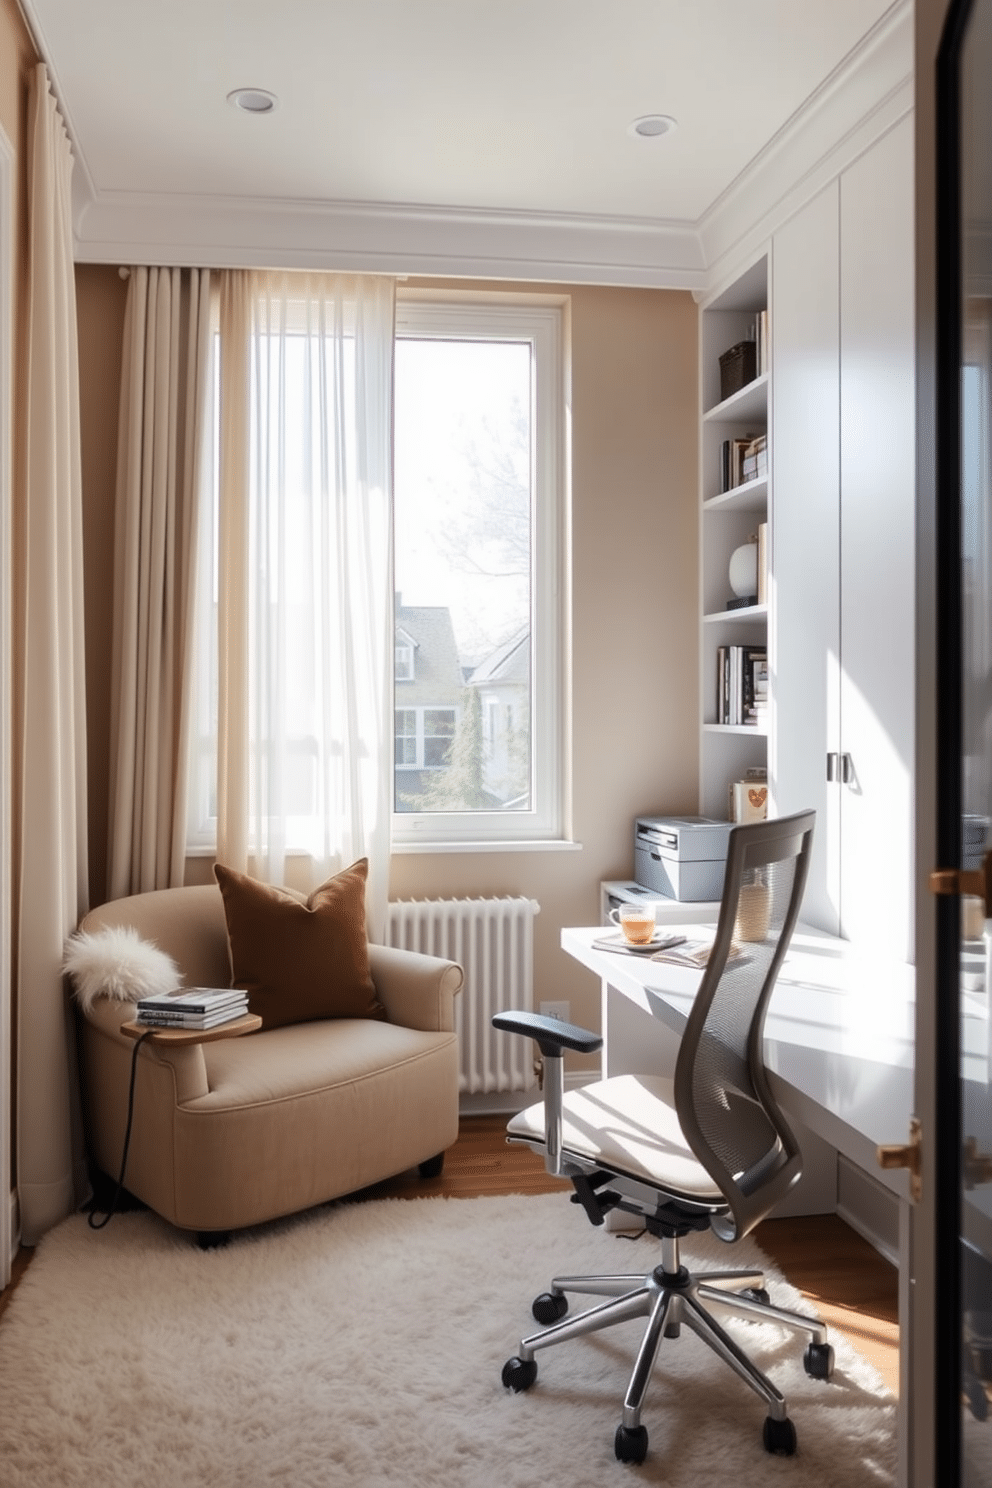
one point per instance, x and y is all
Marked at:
(755, 458)
(738, 451)
(758, 333)
(198, 1000)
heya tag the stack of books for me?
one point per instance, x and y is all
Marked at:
(192, 1007)
(742, 685)
(743, 459)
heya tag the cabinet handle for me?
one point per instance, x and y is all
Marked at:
(846, 769)
(831, 766)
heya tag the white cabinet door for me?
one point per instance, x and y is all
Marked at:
(842, 454)
(877, 484)
(805, 525)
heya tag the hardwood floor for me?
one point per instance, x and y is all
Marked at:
(852, 1287)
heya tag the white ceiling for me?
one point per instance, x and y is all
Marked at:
(521, 107)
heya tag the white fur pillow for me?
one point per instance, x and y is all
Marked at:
(118, 964)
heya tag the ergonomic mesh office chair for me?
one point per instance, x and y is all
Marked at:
(709, 1150)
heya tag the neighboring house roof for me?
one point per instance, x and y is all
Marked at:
(509, 662)
(437, 679)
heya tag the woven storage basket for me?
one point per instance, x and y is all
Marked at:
(738, 367)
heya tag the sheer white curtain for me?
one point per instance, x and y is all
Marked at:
(304, 607)
(50, 801)
(163, 410)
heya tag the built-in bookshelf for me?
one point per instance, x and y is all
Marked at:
(735, 464)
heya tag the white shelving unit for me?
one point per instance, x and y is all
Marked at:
(728, 519)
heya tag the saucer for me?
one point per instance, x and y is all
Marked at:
(620, 942)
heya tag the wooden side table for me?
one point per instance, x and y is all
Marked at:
(248, 1023)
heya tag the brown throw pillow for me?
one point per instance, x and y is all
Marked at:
(300, 959)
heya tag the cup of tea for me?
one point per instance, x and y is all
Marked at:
(636, 921)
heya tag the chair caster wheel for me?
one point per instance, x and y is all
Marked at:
(818, 1360)
(756, 1294)
(631, 1444)
(779, 1437)
(519, 1374)
(549, 1307)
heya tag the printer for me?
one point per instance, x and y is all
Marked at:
(681, 857)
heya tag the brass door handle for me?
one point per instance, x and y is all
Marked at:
(908, 1155)
(975, 881)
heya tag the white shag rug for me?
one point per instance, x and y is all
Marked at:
(362, 1344)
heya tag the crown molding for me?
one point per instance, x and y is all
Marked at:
(861, 99)
(386, 238)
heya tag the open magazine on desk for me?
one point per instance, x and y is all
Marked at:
(673, 947)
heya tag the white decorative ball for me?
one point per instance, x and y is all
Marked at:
(744, 570)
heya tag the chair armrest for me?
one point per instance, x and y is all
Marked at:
(553, 1038)
(552, 1035)
(417, 991)
(186, 1060)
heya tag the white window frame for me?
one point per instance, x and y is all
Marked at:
(542, 324)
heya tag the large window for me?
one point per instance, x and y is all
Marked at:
(478, 545)
(478, 534)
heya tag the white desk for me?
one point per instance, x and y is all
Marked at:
(839, 1036)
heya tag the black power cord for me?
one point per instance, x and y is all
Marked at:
(98, 1224)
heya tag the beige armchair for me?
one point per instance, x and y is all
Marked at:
(240, 1130)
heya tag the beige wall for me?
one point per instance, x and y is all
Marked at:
(633, 622)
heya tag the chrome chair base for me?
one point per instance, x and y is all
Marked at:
(669, 1296)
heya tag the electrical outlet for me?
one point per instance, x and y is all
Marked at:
(560, 1010)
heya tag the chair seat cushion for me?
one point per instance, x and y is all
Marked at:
(628, 1125)
(285, 1064)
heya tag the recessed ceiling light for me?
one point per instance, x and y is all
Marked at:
(253, 100)
(651, 126)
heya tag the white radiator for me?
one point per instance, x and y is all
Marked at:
(493, 939)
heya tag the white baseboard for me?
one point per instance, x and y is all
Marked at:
(870, 1209)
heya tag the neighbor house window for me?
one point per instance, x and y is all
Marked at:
(478, 539)
(424, 737)
(403, 661)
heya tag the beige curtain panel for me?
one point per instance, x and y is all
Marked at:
(304, 577)
(160, 471)
(51, 866)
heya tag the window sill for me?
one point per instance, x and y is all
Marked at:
(557, 844)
